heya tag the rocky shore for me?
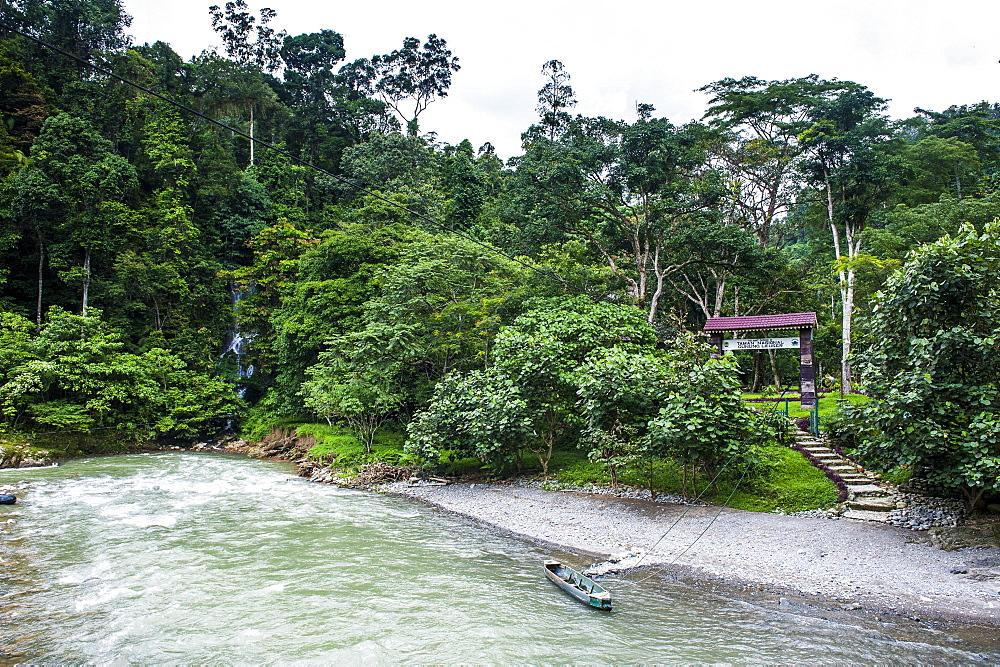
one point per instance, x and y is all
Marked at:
(846, 564)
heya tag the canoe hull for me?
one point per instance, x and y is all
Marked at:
(581, 588)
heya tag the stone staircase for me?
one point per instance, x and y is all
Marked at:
(867, 499)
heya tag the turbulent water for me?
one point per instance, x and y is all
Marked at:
(189, 558)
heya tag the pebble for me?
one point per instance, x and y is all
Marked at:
(620, 492)
(912, 511)
(924, 513)
(829, 513)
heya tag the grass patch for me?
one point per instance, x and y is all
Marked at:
(828, 404)
(580, 472)
(336, 444)
(791, 484)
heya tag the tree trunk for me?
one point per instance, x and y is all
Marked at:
(41, 266)
(720, 292)
(774, 369)
(251, 135)
(86, 281)
(845, 350)
(755, 383)
(973, 495)
(846, 279)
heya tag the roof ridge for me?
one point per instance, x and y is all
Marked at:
(750, 322)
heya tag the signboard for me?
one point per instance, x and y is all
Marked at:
(760, 344)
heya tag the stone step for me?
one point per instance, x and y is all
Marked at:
(842, 469)
(866, 490)
(866, 515)
(872, 504)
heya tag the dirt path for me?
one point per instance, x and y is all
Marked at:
(875, 566)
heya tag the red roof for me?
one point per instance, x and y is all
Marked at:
(749, 322)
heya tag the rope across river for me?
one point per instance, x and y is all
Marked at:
(676, 521)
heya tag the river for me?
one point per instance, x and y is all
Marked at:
(205, 558)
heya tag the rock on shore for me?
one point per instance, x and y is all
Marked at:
(876, 566)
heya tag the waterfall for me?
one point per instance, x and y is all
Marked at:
(238, 343)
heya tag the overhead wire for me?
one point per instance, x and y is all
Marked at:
(662, 568)
(704, 530)
(305, 163)
(123, 425)
(280, 151)
(687, 509)
(291, 156)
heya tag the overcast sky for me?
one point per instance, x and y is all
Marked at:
(922, 53)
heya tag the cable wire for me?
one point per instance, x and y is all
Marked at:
(287, 154)
(121, 425)
(663, 568)
(363, 190)
(686, 510)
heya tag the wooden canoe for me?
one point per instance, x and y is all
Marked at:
(584, 589)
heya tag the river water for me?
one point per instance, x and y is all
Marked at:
(202, 558)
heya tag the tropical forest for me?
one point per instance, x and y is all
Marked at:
(265, 244)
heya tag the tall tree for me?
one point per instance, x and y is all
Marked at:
(851, 164)
(247, 41)
(465, 182)
(630, 190)
(88, 29)
(236, 25)
(977, 125)
(310, 83)
(78, 183)
(414, 73)
(760, 149)
(555, 98)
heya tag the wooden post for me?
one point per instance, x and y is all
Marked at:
(807, 372)
(715, 339)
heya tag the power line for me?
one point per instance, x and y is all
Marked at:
(124, 425)
(285, 153)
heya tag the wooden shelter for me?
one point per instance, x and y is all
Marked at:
(804, 323)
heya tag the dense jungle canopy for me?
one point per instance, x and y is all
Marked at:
(376, 275)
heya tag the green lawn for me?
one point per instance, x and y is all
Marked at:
(827, 404)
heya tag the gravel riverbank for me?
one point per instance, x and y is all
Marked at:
(850, 564)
